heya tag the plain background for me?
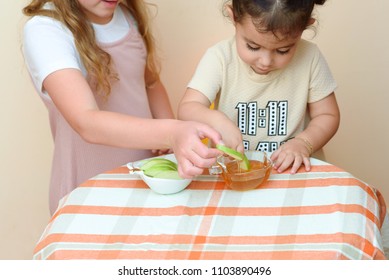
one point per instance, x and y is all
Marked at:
(352, 34)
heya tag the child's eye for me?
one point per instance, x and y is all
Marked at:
(251, 48)
(282, 52)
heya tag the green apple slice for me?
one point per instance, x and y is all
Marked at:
(154, 170)
(169, 174)
(157, 161)
(244, 161)
(231, 152)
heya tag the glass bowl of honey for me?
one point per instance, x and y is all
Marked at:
(237, 178)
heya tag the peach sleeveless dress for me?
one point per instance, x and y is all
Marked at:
(75, 160)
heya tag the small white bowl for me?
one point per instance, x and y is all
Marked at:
(159, 185)
(165, 186)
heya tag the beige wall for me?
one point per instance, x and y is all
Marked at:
(25, 148)
(353, 36)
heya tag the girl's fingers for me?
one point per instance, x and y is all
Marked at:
(307, 163)
(187, 170)
(283, 162)
(296, 164)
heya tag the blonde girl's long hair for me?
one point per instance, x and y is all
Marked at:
(97, 62)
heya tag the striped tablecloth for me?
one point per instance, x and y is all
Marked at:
(323, 214)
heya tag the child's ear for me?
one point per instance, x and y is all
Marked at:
(230, 13)
(311, 21)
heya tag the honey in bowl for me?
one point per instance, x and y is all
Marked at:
(238, 179)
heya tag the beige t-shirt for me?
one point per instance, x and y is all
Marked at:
(268, 109)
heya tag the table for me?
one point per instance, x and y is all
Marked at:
(326, 213)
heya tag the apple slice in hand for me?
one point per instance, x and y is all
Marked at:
(231, 152)
(244, 161)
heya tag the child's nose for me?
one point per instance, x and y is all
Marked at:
(265, 59)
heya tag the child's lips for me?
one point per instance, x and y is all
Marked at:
(261, 70)
(111, 2)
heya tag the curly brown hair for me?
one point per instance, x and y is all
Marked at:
(282, 17)
(97, 62)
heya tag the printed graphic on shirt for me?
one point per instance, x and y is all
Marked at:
(271, 120)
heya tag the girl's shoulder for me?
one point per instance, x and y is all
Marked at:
(307, 52)
(45, 26)
(40, 25)
(225, 45)
(46, 40)
(42, 22)
(225, 49)
(307, 48)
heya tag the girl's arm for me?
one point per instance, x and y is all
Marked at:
(160, 107)
(325, 119)
(159, 100)
(196, 106)
(73, 97)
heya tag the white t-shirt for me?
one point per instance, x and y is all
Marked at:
(268, 109)
(51, 49)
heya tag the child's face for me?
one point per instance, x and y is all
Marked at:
(263, 51)
(99, 11)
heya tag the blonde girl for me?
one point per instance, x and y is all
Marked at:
(94, 65)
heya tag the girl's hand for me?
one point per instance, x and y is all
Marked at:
(293, 153)
(232, 137)
(195, 106)
(324, 122)
(191, 153)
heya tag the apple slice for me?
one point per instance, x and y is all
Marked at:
(157, 161)
(169, 174)
(160, 168)
(154, 170)
(244, 161)
(231, 152)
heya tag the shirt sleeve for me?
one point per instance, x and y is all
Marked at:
(322, 81)
(207, 78)
(48, 47)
